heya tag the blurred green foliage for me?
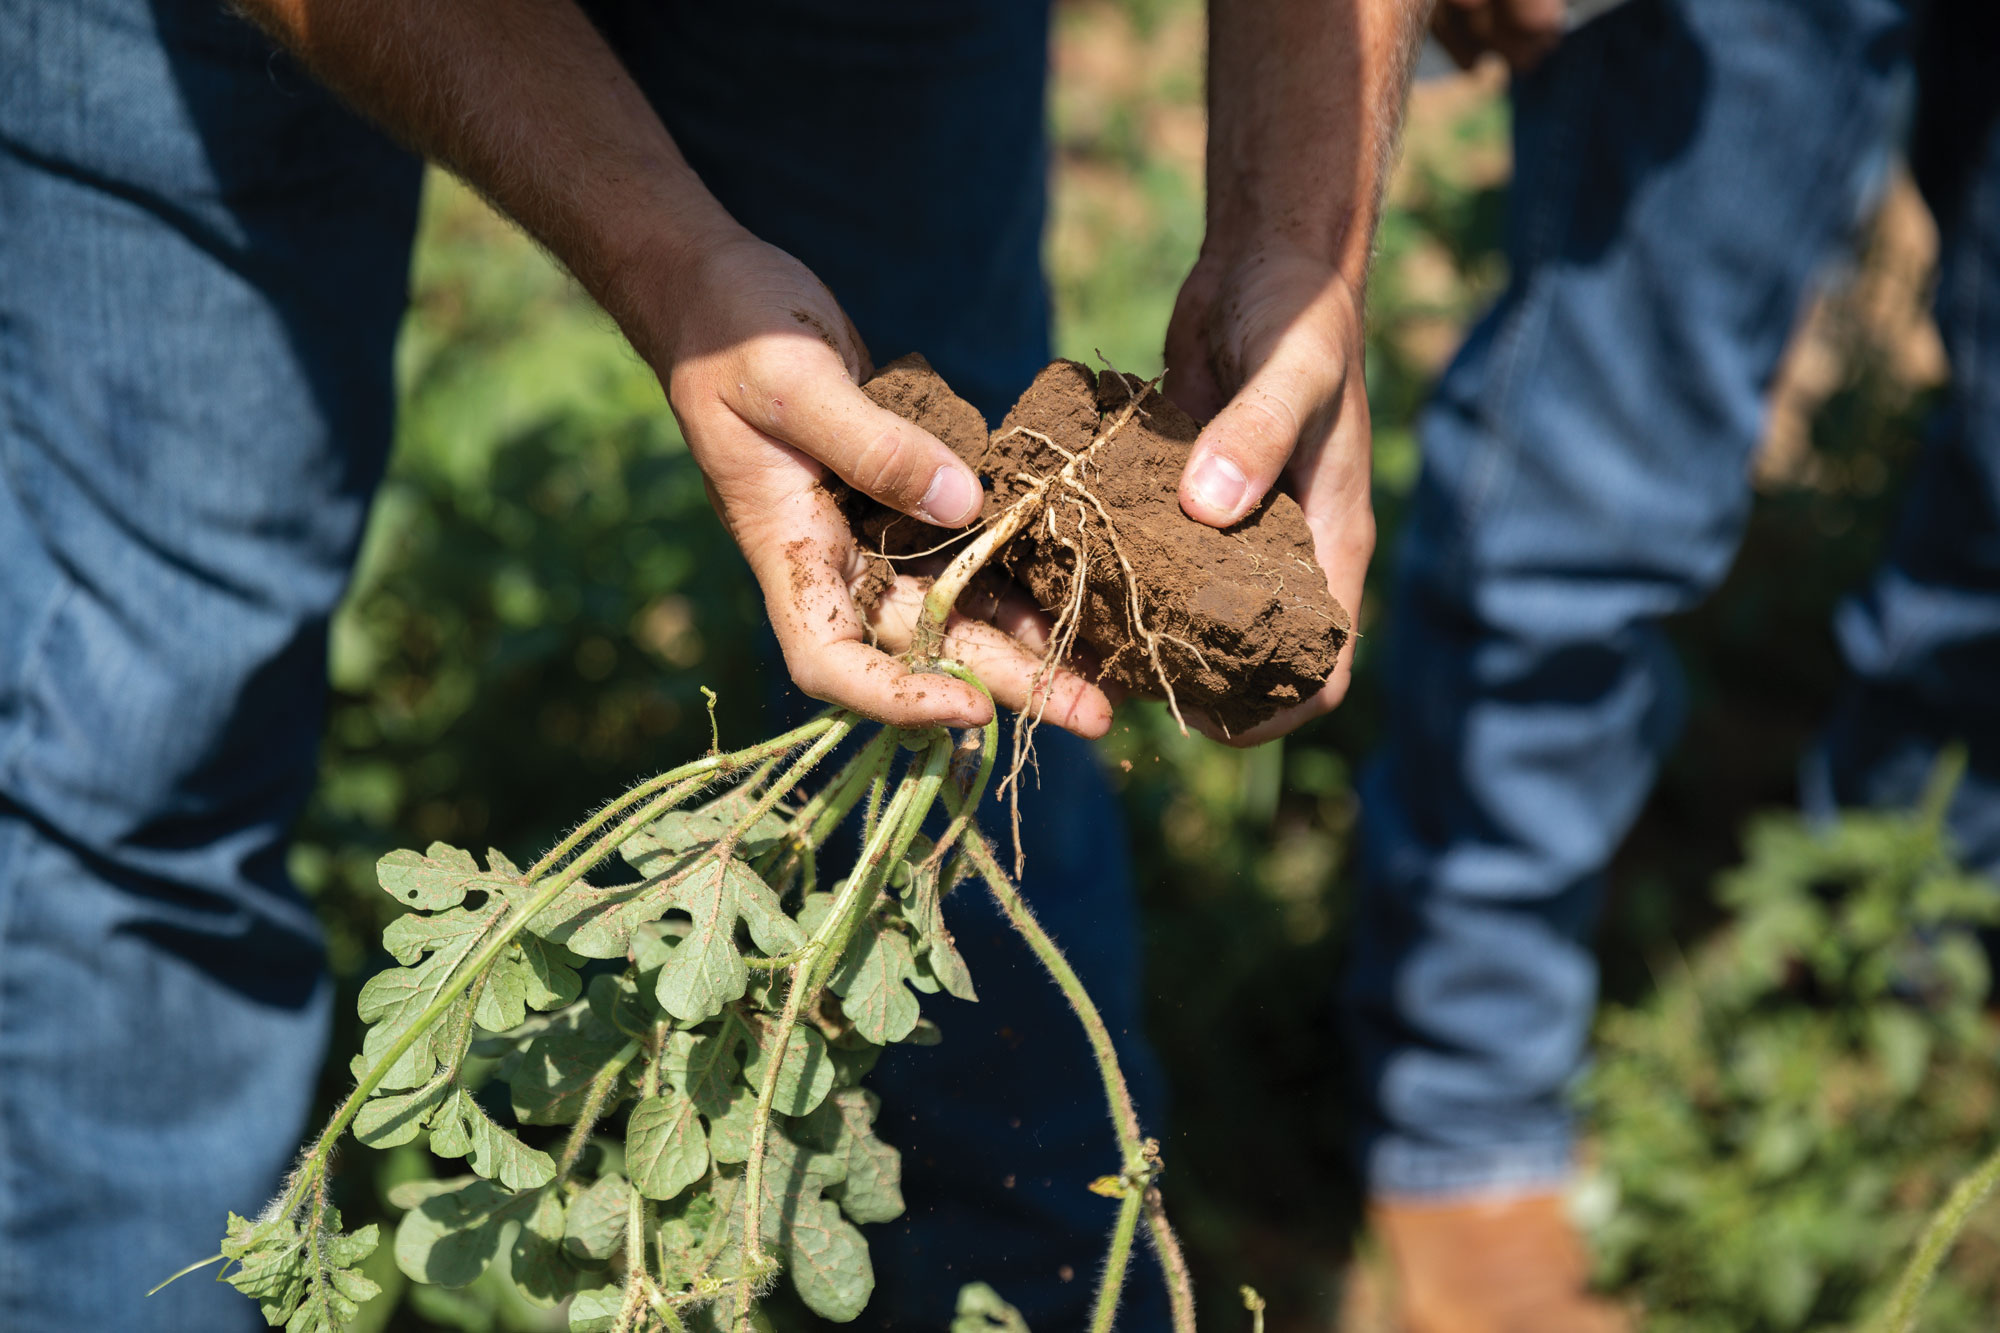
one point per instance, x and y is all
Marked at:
(1777, 1119)
(543, 591)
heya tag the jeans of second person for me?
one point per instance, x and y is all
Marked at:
(202, 266)
(1683, 167)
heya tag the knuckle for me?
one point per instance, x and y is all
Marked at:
(1267, 423)
(888, 463)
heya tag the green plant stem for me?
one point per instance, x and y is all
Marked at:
(1940, 1233)
(1139, 1156)
(1173, 1263)
(834, 726)
(1111, 1283)
(601, 1084)
(893, 834)
(708, 767)
(1124, 1118)
(753, 1165)
(989, 748)
(842, 728)
(891, 837)
(828, 807)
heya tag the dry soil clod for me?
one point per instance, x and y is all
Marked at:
(1233, 623)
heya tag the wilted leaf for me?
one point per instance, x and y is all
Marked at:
(981, 1310)
(529, 974)
(541, 1271)
(389, 1120)
(682, 1236)
(453, 1228)
(934, 942)
(393, 1000)
(596, 1310)
(828, 1261)
(729, 1133)
(705, 970)
(686, 830)
(705, 1067)
(307, 1293)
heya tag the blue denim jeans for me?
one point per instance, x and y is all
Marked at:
(1683, 168)
(203, 265)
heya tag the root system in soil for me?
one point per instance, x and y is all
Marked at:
(1234, 623)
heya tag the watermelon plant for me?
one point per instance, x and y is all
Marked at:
(693, 1032)
(712, 1127)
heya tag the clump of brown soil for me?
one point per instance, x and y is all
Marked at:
(1235, 623)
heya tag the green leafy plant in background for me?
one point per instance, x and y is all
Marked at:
(1774, 1121)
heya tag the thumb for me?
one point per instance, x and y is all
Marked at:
(1243, 450)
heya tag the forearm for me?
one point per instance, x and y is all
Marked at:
(525, 101)
(1305, 103)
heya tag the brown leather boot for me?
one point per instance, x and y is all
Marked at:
(1504, 1264)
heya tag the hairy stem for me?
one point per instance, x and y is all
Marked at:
(989, 748)
(1141, 1157)
(710, 766)
(601, 1084)
(1111, 1284)
(1940, 1233)
(890, 838)
(827, 808)
(834, 725)
(753, 1165)
(1173, 1263)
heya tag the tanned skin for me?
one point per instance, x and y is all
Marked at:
(524, 100)
(1305, 100)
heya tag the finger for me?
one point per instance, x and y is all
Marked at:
(798, 547)
(1241, 452)
(800, 393)
(1455, 35)
(1014, 614)
(1290, 334)
(1523, 45)
(1019, 677)
(1190, 380)
(1025, 682)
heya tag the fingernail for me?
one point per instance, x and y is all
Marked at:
(1219, 485)
(952, 499)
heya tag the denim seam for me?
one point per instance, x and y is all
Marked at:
(1543, 239)
(12, 842)
(33, 659)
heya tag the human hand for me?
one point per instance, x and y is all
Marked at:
(1521, 31)
(761, 368)
(1265, 345)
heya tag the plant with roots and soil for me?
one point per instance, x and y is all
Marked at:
(711, 1130)
(707, 1127)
